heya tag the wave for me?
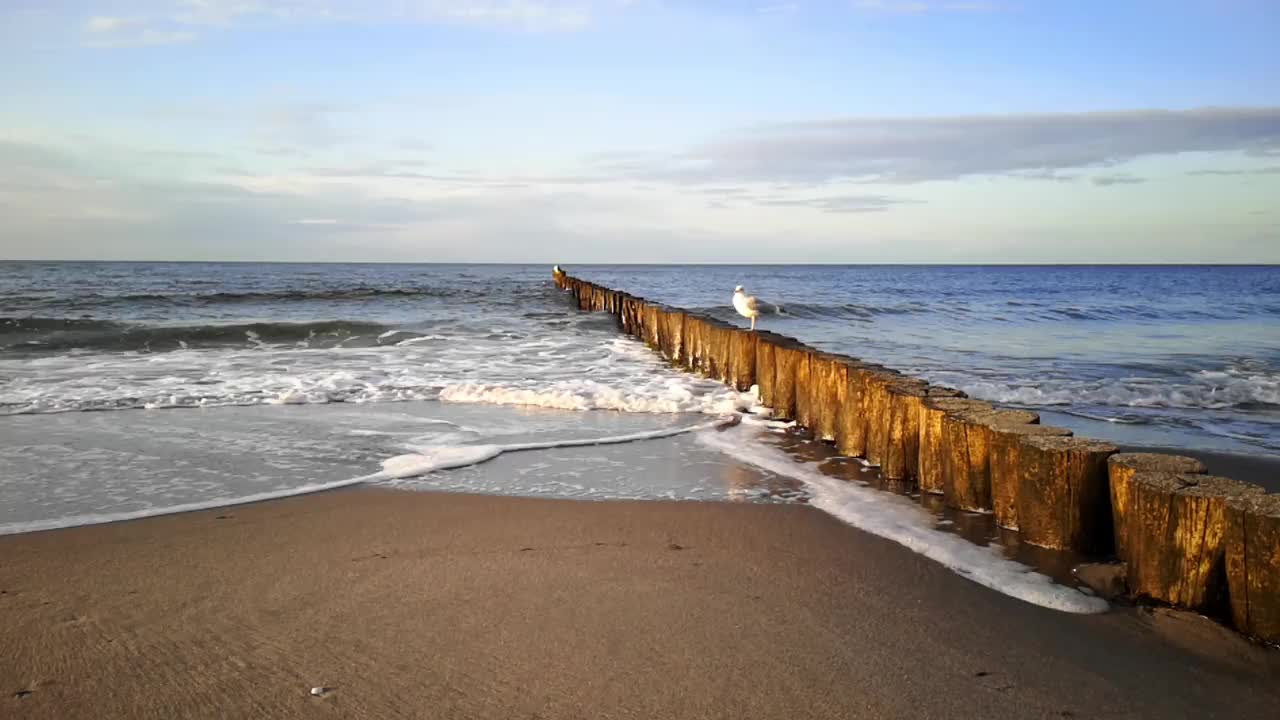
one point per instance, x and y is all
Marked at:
(819, 311)
(1235, 388)
(60, 334)
(671, 396)
(259, 296)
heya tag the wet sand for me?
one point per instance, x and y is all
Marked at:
(457, 606)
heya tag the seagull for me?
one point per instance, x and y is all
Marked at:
(746, 305)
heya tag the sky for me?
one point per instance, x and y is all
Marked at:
(582, 131)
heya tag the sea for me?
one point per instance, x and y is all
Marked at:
(133, 389)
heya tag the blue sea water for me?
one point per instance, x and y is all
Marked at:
(1173, 355)
(1192, 351)
(129, 388)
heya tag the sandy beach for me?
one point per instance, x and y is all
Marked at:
(432, 605)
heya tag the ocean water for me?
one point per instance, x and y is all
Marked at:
(1179, 356)
(132, 389)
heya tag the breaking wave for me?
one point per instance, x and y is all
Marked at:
(59, 334)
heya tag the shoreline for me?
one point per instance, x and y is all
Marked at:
(442, 604)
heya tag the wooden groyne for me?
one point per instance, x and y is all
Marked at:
(1185, 538)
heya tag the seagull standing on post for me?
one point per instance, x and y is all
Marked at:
(746, 305)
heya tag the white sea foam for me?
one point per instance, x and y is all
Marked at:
(1205, 389)
(568, 371)
(444, 457)
(651, 395)
(897, 518)
(438, 458)
(99, 518)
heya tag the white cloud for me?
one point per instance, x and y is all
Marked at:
(1116, 179)
(917, 7)
(100, 24)
(176, 21)
(917, 149)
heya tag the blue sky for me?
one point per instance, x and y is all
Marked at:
(641, 130)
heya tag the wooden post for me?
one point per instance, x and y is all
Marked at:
(933, 445)
(695, 334)
(804, 387)
(878, 403)
(829, 374)
(675, 336)
(1176, 543)
(742, 358)
(1121, 468)
(1253, 564)
(902, 448)
(718, 349)
(1006, 465)
(1063, 500)
(786, 355)
(966, 475)
(766, 366)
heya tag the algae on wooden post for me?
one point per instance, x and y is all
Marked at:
(1121, 469)
(1176, 538)
(1006, 464)
(1253, 564)
(1063, 501)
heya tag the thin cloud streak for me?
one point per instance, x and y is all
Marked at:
(920, 149)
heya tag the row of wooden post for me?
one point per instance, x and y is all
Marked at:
(1187, 539)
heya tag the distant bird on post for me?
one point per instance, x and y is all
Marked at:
(746, 305)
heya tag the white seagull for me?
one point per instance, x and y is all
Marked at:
(746, 305)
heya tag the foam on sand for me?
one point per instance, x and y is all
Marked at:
(897, 518)
(432, 458)
(99, 518)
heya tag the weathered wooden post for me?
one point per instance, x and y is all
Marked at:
(853, 427)
(804, 387)
(906, 410)
(1121, 469)
(1176, 538)
(1006, 467)
(829, 375)
(766, 366)
(933, 446)
(786, 355)
(718, 346)
(1253, 564)
(966, 477)
(1063, 499)
(742, 358)
(878, 405)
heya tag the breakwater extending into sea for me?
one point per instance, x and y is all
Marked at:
(1185, 538)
